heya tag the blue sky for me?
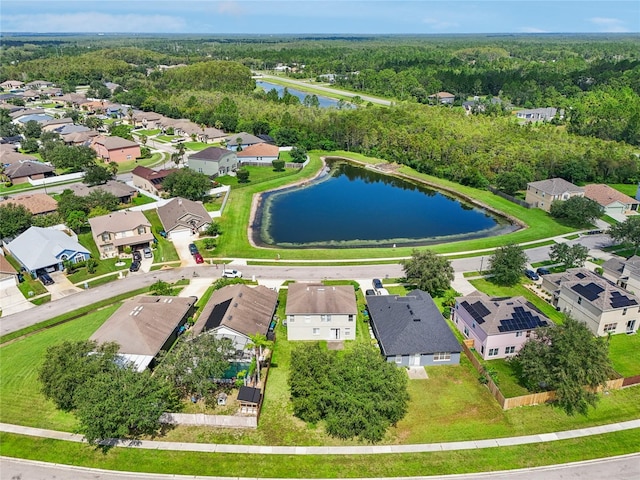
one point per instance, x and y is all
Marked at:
(319, 16)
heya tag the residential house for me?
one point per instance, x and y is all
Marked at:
(39, 249)
(321, 312)
(479, 105)
(443, 98)
(602, 305)
(71, 99)
(112, 86)
(615, 203)
(237, 312)
(55, 123)
(242, 139)
(9, 156)
(39, 85)
(11, 85)
(623, 272)
(24, 171)
(411, 331)
(115, 149)
(543, 193)
(40, 117)
(150, 180)
(68, 128)
(30, 95)
(538, 114)
(118, 230)
(79, 138)
(36, 203)
(8, 274)
(145, 119)
(213, 161)
(121, 190)
(260, 153)
(144, 326)
(499, 327)
(182, 218)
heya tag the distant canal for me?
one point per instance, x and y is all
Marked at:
(325, 102)
(355, 207)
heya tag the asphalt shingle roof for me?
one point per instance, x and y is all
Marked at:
(555, 186)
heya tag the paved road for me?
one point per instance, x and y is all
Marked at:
(619, 468)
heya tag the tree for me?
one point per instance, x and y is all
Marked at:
(76, 219)
(122, 131)
(74, 158)
(298, 154)
(278, 165)
(30, 145)
(257, 343)
(429, 271)
(123, 403)
(627, 232)
(507, 264)
(95, 174)
(569, 359)
(243, 175)
(569, 256)
(93, 122)
(576, 211)
(14, 219)
(69, 365)
(192, 364)
(161, 288)
(187, 183)
(101, 198)
(32, 129)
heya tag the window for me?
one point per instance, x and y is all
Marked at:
(351, 318)
(509, 350)
(473, 325)
(316, 331)
(493, 352)
(398, 358)
(291, 318)
(579, 300)
(624, 311)
(106, 237)
(128, 157)
(466, 331)
(140, 230)
(325, 318)
(347, 332)
(441, 356)
(610, 327)
(528, 333)
(518, 334)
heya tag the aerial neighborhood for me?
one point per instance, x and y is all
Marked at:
(283, 254)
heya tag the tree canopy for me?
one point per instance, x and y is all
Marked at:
(627, 231)
(14, 219)
(569, 256)
(429, 271)
(576, 211)
(507, 264)
(187, 183)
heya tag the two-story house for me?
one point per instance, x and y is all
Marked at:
(543, 193)
(321, 312)
(213, 161)
(118, 230)
(623, 272)
(115, 149)
(498, 326)
(602, 305)
(150, 180)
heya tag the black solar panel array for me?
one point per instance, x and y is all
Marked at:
(618, 300)
(217, 314)
(581, 275)
(477, 310)
(521, 320)
(590, 291)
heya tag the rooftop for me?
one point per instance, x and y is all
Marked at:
(555, 186)
(310, 298)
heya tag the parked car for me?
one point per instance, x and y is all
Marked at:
(530, 274)
(198, 258)
(147, 252)
(232, 274)
(135, 266)
(137, 256)
(377, 283)
(370, 292)
(193, 249)
(46, 279)
(543, 271)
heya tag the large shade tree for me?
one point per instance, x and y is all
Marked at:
(429, 271)
(14, 219)
(627, 232)
(507, 264)
(187, 184)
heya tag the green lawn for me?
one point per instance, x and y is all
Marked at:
(257, 175)
(17, 187)
(164, 250)
(624, 351)
(104, 266)
(140, 199)
(124, 167)
(626, 188)
(197, 146)
(30, 285)
(148, 133)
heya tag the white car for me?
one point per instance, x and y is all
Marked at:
(232, 274)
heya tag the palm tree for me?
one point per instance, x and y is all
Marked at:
(258, 342)
(113, 168)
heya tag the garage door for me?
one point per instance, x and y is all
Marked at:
(180, 234)
(7, 282)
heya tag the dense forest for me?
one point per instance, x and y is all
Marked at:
(594, 80)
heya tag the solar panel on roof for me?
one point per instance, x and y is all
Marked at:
(581, 275)
(477, 310)
(521, 319)
(590, 291)
(619, 300)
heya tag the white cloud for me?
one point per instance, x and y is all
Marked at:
(609, 24)
(92, 22)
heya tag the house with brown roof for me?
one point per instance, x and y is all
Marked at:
(259, 154)
(118, 230)
(321, 312)
(150, 180)
(39, 84)
(9, 156)
(603, 306)
(237, 312)
(55, 123)
(182, 218)
(11, 84)
(79, 138)
(144, 326)
(23, 171)
(115, 149)
(8, 274)
(613, 201)
(443, 98)
(543, 193)
(146, 119)
(36, 203)
(213, 161)
(119, 189)
(71, 99)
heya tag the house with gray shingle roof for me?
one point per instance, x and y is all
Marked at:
(25, 170)
(623, 272)
(46, 249)
(242, 139)
(119, 189)
(182, 218)
(213, 161)
(499, 327)
(613, 201)
(603, 306)
(411, 331)
(543, 193)
(118, 230)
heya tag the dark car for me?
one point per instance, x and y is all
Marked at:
(193, 249)
(377, 283)
(46, 279)
(135, 266)
(370, 292)
(136, 256)
(530, 274)
(543, 271)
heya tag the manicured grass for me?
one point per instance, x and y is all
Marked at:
(140, 199)
(104, 266)
(197, 146)
(624, 250)
(148, 133)
(302, 263)
(41, 300)
(505, 377)
(626, 188)
(19, 366)
(213, 204)
(164, 250)
(624, 351)
(257, 175)
(609, 220)
(15, 187)
(145, 162)
(30, 285)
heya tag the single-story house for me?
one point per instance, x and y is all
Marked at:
(36, 203)
(182, 218)
(213, 161)
(70, 128)
(260, 153)
(119, 189)
(11, 84)
(118, 230)
(321, 312)
(73, 99)
(538, 114)
(115, 149)
(150, 180)
(444, 98)
(411, 331)
(39, 84)
(79, 138)
(8, 274)
(613, 201)
(54, 123)
(9, 156)
(603, 306)
(237, 312)
(499, 327)
(145, 326)
(543, 193)
(242, 139)
(23, 171)
(40, 248)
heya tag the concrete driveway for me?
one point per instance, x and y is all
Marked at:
(12, 301)
(182, 247)
(62, 287)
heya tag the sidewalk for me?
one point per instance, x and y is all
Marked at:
(333, 450)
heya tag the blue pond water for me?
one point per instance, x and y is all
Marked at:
(325, 102)
(353, 206)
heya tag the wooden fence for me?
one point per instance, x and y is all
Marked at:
(495, 191)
